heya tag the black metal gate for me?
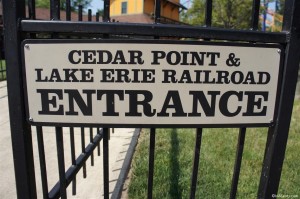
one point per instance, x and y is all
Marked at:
(19, 26)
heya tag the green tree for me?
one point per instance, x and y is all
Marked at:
(226, 13)
(280, 6)
(100, 11)
(84, 3)
(74, 4)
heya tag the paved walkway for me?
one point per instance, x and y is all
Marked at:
(89, 188)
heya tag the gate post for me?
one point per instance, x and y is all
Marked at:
(275, 150)
(14, 10)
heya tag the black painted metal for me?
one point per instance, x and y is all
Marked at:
(153, 130)
(80, 13)
(72, 138)
(108, 133)
(68, 10)
(89, 15)
(208, 13)
(91, 140)
(98, 146)
(272, 166)
(13, 10)
(238, 163)
(97, 17)
(73, 157)
(54, 9)
(242, 131)
(106, 15)
(41, 149)
(269, 138)
(157, 11)
(151, 162)
(31, 9)
(255, 14)
(163, 30)
(194, 176)
(83, 150)
(61, 161)
(80, 161)
(106, 163)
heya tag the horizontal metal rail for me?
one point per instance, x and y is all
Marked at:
(162, 30)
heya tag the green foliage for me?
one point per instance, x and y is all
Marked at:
(2, 70)
(74, 4)
(100, 11)
(196, 14)
(84, 3)
(226, 13)
(42, 4)
(280, 6)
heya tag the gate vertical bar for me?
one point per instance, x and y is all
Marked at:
(98, 146)
(106, 163)
(41, 149)
(151, 162)
(89, 15)
(54, 10)
(157, 11)
(106, 18)
(73, 157)
(80, 13)
(196, 163)
(97, 17)
(83, 151)
(242, 131)
(255, 14)
(153, 130)
(14, 10)
(208, 13)
(199, 131)
(61, 162)
(72, 138)
(269, 138)
(68, 10)
(31, 9)
(32, 14)
(238, 162)
(91, 141)
(106, 13)
(272, 166)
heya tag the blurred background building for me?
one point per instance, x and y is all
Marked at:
(142, 11)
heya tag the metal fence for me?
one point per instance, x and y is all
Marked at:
(19, 27)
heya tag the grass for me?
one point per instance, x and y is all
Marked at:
(2, 70)
(174, 160)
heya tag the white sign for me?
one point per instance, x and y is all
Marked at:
(138, 82)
